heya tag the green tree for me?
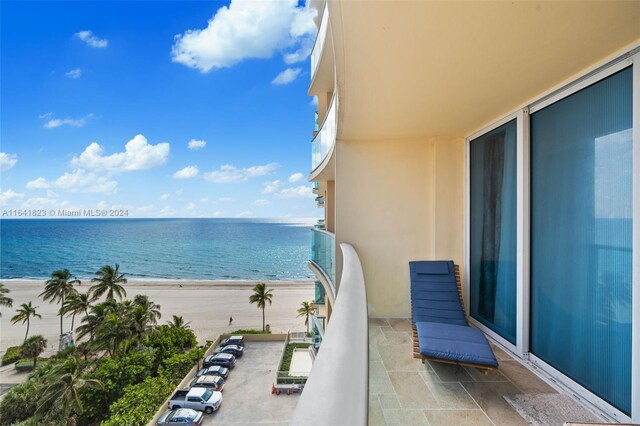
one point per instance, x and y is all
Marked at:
(152, 310)
(178, 322)
(61, 388)
(95, 317)
(58, 287)
(33, 347)
(306, 310)
(112, 332)
(76, 303)
(5, 300)
(261, 296)
(18, 403)
(25, 312)
(108, 280)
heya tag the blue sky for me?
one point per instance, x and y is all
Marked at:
(100, 101)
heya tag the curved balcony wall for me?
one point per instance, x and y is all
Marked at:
(337, 391)
(318, 46)
(325, 139)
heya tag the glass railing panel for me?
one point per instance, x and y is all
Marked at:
(323, 252)
(326, 137)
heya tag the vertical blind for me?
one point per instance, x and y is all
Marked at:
(493, 230)
(581, 236)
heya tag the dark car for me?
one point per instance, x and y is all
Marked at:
(214, 370)
(233, 340)
(230, 349)
(221, 359)
(211, 382)
(181, 416)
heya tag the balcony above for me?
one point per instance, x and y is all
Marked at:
(323, 262)
(323, 144)
(322, 58)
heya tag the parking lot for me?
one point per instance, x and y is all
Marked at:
(247, 397)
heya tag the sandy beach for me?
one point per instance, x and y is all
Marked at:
(206, 304)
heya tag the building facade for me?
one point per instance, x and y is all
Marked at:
(504, 136)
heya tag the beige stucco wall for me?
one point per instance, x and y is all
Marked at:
(390, 196)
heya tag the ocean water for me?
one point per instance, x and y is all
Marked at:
(249, 249)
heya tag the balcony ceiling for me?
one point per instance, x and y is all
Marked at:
(419, 69)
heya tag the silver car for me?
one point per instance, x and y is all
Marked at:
(181, 416)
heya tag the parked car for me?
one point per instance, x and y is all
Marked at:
(181, 416)
(214, 370)
(234, 350)
(233, 340)
(201, 399)
(222, 359)
(211, 382)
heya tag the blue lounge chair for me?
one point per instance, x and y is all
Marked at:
(440, 328)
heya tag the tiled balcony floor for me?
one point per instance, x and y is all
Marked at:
(403, 390)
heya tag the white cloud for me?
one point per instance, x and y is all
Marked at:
(145, 209)
(39, 183)
(196, 144)
(52, 123)
(43, 202)
(217, 213)
(103, 205)
(138, 155)
(314, 101)
(179, 192)
(9, 195)
(246, 29)
(74, 73)
(204, 200)
(7, 161)
(92, 40)
(261, 202)
(165, 196)
(167, 211)
(246, 213)
(190, 206)
(302, 191)
(231, 174)
(186, 173)
(296, 177)
(271, 187)
(225, 199)
(78, 180)
(286, 76)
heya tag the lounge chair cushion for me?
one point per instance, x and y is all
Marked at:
(455, 343)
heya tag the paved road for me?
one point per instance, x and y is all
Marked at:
(247, 397)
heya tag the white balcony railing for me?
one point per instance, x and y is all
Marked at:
(321, 37)
(326, 136)
(337, 391)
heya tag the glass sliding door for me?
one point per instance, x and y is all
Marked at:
(581, 237)
(493, 230)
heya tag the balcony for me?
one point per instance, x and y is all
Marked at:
(337, 390)
(323, 255)
(318, 46)
(324, 141)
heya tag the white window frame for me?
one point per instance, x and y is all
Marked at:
(523, 211)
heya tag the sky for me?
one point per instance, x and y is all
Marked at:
(162, 109)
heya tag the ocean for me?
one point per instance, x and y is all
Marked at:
(226, 249)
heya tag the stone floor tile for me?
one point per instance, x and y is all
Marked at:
(457, 417)
(412, 391)
(450, 372)
(379, 379)
(523, 378)
(486, 375)
(399, 358)
(405, 417)
(389, 401)
(400, 324)
(397, 337)
(452, 395)
(376, 417)
(489, 396)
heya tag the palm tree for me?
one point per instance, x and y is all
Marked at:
(4, 300)
(152, 309)
(108, 281)
(178, 322)
(32, 347)
(95, 317)
(25, 312)
(62, 385)
(76, 303)
(58, 287)
(261, 296)
(112, 332)
(305, 310)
